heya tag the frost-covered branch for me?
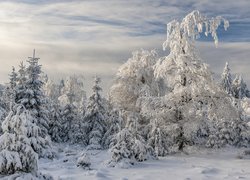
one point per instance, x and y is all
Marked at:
(181, 35)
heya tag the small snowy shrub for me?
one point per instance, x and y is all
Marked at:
(126, 148)
(84, 161)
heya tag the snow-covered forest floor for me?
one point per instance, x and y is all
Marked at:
(225, 163)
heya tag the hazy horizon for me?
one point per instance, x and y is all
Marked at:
(71, 37)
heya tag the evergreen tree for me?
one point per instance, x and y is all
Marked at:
(18, 145)
(235, 133)
(16, 152)
(72, 100)
(13, 78)
(95, 119)
(9, 91)
(156, 140)
(68, 123)
(239, 87)
(29, 94)
(121, 148)
(113, 127)
(34, 95)
(55, 126)
(129, 146)
(226, 80)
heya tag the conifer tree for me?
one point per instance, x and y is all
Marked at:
(226, 79)
(239, 87)
(113, 127)
(95, 119)
(16, 152)
(29, 94)
(68, 123)
(55, 126)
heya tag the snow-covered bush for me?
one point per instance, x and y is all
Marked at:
(235, 133)
(121, 148)
(84, 161)
(127, 147)
(156, 139)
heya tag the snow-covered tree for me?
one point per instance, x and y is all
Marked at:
(8, 97)
(29, 94)
(16, 152)
(226, 79)
(21, 82)
(72, 91)
(156, 139)
(239, 88)
(72, 100)
(114, 123)
(13, 78)
(51, 90)
(34, 98)
(121, 150)
(126, 149)
(235, 133)
(184, 98)
(95, 118)
(181, 35)
(128, 146)
(55, 126)
(68, 123)
(134, 79)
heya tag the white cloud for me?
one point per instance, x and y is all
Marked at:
(98, 35)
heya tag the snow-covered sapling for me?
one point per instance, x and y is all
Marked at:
(84, 161)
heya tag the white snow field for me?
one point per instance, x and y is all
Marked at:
(206, 164)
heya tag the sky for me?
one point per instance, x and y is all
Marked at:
(94, 37)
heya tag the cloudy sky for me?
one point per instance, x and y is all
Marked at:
(96, 36)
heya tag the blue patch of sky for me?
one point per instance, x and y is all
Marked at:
(237, 32)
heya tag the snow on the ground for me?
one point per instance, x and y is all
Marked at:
(219, 164)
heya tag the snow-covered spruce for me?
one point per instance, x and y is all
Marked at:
(239, 88)
(235, 133)
(16, 152)
(156, 139)
(68, 119)
(114, 124)
(17, 156)
(55, 126)
(95, 118)
(72, 100)
(29, 94)
(126, 149)
(226, 79)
